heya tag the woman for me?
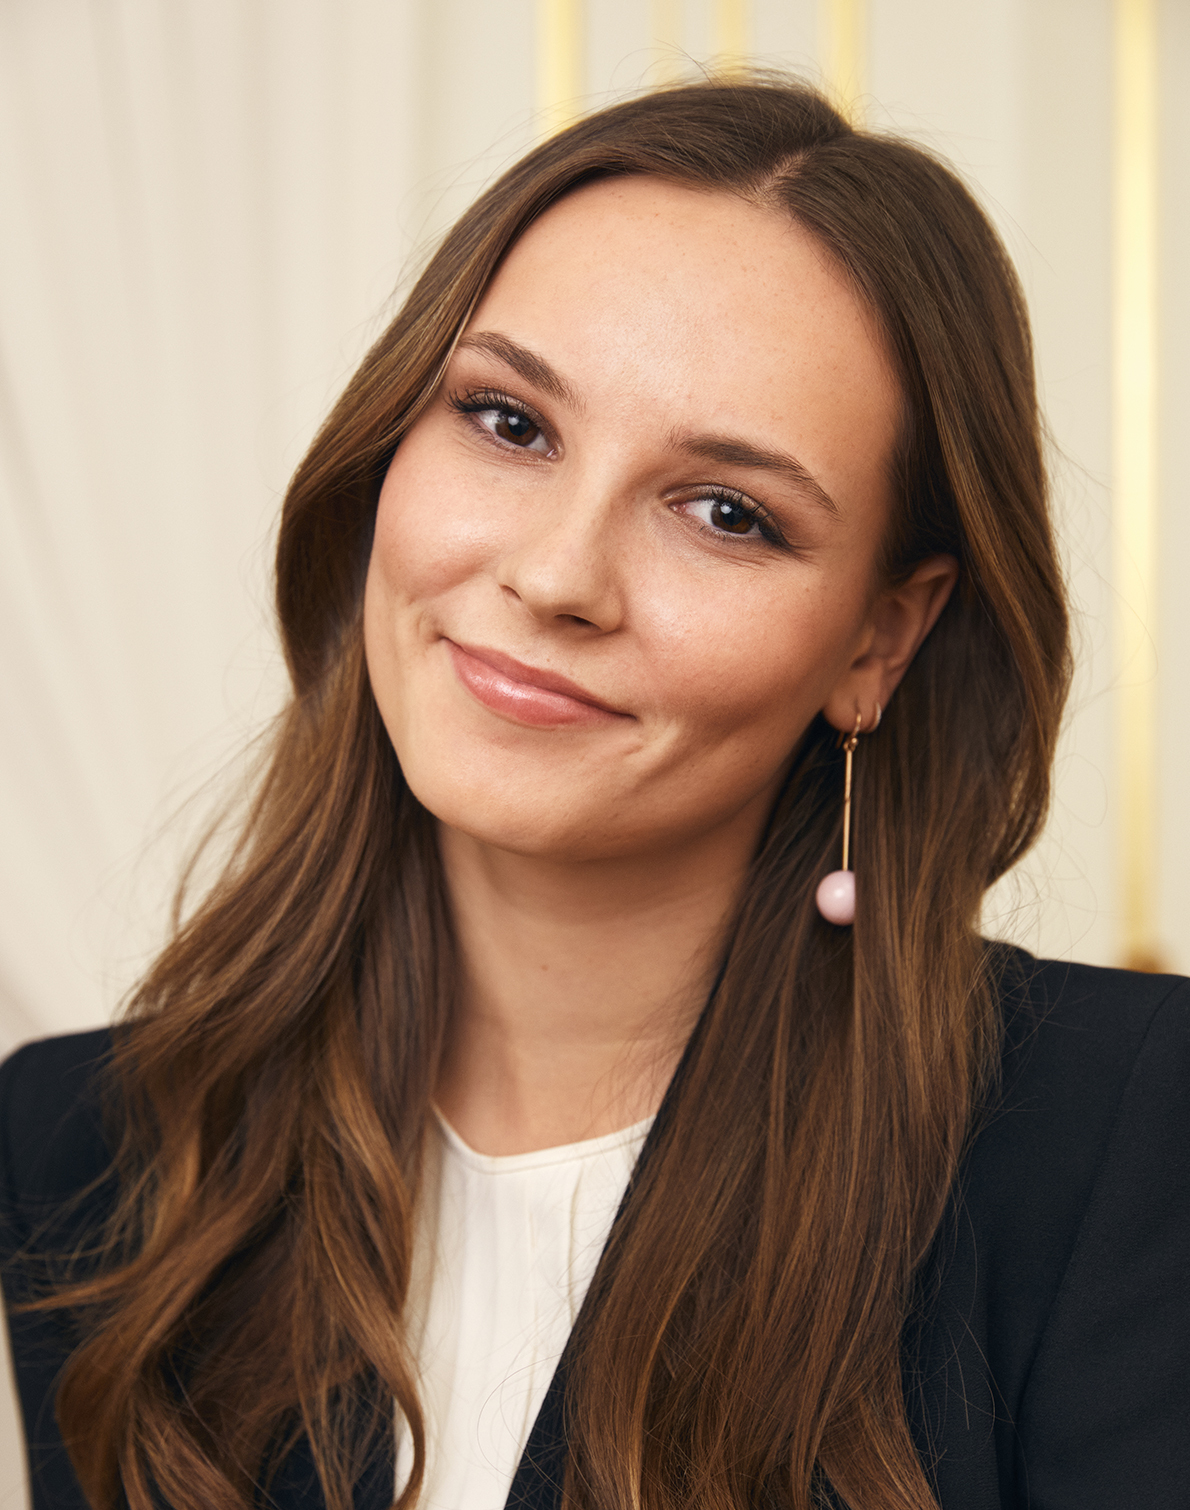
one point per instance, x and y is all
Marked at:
(706, 444)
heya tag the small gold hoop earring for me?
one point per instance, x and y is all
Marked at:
(835, 896)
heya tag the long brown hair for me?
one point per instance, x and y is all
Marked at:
(741, 1345)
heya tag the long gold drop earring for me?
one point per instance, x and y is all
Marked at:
(836, 893)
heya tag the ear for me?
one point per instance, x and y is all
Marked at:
(899, 620)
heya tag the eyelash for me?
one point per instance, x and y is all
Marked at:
(755, 511)
(486, 400)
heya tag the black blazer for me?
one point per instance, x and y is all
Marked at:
(1047, 1366)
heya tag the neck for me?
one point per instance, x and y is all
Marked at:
(580, 983)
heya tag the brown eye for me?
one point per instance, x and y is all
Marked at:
(733, 517)
(515, 428)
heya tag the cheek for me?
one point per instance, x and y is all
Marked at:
(429, 535)
(756, 664)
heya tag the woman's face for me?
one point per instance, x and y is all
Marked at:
(629, 549)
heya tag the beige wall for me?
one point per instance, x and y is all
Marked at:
(208, 204)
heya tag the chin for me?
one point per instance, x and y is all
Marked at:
(518, 833)
(512, 792)
(560, 820)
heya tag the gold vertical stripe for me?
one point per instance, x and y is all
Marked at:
(1134, 463)
(559, 63)
(843, 26)
(733, 34)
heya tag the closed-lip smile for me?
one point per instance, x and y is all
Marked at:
(524, 693)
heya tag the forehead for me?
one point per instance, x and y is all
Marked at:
(636, 289)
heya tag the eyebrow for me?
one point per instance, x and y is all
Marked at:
(726, 450)
(730, 452)
(533, 368)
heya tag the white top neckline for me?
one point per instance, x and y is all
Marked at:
(505, 1250)
(539, 1158)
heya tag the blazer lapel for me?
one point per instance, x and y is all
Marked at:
(537, 1483)
(296, 1485)
(375, 1489)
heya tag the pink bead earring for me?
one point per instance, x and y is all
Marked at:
(836, 893)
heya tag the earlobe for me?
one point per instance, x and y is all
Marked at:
(901, 617)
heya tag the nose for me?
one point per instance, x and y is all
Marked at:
(566, 563)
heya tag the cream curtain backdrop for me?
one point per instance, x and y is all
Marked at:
(209, 207)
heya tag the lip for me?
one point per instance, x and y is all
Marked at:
(542, 699)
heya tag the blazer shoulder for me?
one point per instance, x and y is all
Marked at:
(1066, 987)
(55, 1192)
(1074, 1165)
(1076, 1037)
(52, 1110)
(1085, 1021)
(1090, 1055)
(1102, 1421)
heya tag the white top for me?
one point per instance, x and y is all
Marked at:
(506, 1249)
